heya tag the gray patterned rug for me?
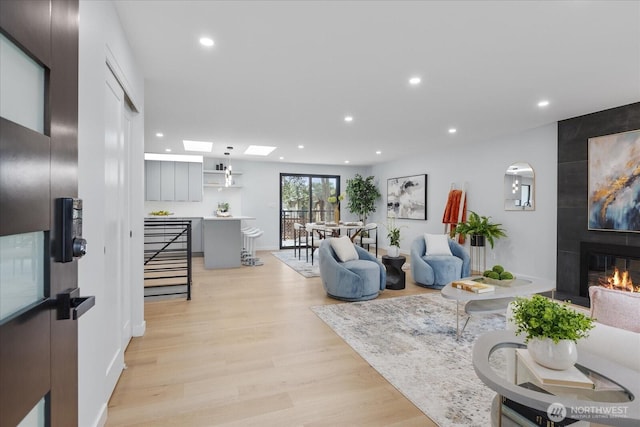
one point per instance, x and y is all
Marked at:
(299, 265)
(411, 342)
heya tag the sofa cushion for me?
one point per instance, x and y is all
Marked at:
(446, 268)
(437, 244)
(615, 308)
(344, 249)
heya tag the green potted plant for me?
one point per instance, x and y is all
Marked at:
(551, 328)
(480, 228)
(393, 234)
(362, 193)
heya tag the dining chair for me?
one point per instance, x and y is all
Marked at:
(315, 241)
(300, 238)
(367, 238)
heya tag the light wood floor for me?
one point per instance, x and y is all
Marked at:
(248, 351)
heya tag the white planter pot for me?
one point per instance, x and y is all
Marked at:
(393, 251)
(561, 355)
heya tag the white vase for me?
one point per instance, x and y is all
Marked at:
(393, 251)
(561, 355)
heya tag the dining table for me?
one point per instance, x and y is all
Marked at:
(323, 230)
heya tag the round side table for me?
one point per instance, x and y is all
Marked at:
(395, 275)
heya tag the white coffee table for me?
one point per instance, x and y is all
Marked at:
(495, 301)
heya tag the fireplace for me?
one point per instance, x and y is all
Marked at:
(615, 266)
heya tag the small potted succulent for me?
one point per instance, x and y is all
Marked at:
(551, 330)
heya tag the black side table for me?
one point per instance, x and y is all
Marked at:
(395, 275)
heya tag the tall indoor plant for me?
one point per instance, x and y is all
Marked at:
(480, 228)
(551, 330)
(362, 193)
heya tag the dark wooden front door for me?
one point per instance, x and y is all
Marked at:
(38, 164)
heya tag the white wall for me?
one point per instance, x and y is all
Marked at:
(530, 247)
(101, 36)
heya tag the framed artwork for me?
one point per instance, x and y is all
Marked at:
(614, 182)
(407, 197)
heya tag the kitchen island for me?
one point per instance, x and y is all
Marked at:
(223, 241)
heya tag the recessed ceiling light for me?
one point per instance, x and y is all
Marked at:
(346, 161)
(259, 150)
(168, 150)
(378, 152)
(348, 119)
(197, 145)
(415, 81)
(300, 146)
(543, 103)
(281, 158)
(453, 130)
(206, 41)
(159, 134)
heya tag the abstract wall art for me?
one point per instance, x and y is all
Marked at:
(614, 182)
(407, 197)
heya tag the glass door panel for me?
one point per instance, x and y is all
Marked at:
(21, 271)
(22, 87)
(294, 206)
(321, 189)
(37, 416)
(304, 199)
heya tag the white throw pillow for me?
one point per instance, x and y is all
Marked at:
(437, 244)
(344, 248)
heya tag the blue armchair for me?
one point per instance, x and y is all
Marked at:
(356, 280)
(435, 271)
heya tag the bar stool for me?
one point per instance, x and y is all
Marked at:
(252, 259)
(246, 231)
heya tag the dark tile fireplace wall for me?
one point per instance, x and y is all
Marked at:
(573, 135)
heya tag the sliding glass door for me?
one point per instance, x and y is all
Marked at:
(303, 199)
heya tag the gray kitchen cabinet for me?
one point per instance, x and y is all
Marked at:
(152, 180)
(167, 181)
(195, 182)
(173, 181)
(196, 236)
(197, 247)
(181, 182)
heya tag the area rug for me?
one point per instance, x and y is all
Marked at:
(411, 341)
(299, 265)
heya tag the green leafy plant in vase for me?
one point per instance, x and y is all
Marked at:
(393, 234)
(480, 228)
(335, 203)
(551, 330)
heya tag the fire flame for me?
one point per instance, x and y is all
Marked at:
(621, 282)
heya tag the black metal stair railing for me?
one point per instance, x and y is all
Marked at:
(167, 257)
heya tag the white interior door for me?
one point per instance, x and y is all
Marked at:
(113, 210)
(125, 257)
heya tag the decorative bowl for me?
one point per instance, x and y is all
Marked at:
(506, 282)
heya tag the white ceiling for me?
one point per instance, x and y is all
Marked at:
(285, 73)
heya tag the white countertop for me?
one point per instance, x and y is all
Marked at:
(228, 218)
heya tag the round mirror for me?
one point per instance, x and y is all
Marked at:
(519, 183)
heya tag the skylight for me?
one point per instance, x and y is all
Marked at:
(197, 145)
(259, 150)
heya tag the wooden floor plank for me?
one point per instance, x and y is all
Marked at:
(247, 350)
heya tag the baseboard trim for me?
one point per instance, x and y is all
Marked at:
(139, 330)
